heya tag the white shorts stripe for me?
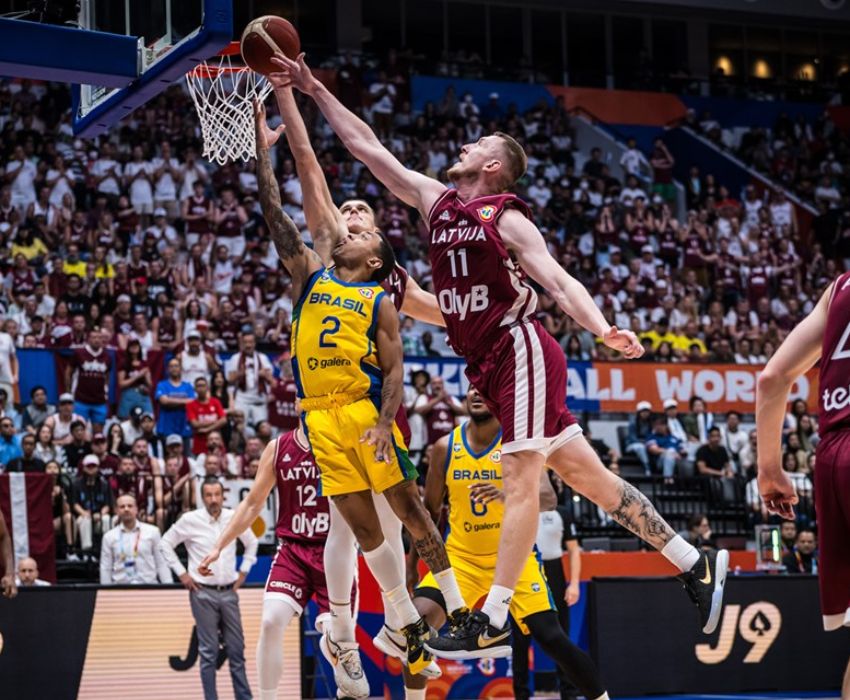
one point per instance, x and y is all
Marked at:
(18, 508)
(538, 367)
(521, 383)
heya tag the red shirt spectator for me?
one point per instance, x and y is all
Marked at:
(205, 414)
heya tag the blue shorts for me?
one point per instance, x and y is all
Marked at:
(92, 412)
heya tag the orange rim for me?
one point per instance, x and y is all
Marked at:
(208, 72)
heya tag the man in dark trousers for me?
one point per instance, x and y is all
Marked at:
(556, 534)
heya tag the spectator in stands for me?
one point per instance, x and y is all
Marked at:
(698, 422)
(176, 496)
(175, 449)
(108, 462)
(662, 171)
(91, 365)
(735, 439)
(668, 451)
(802, 559)
(129, 552)
(253, 451)
(219, 389)
(9, 368)
(788, 535)
(79, 446)
(142, 453)
(609, 456)
(131, 429)
(226, 463)
(439, 410)
(10, 443)
(195, 361)
(134, 381)
(675, 426)
(205, 414)
(27, 462)
(172, 395)
(698, 533)
(640, 428)
(251, 373)
(712, 459)
(91, 503)
(28, 573)
(34, 415)
(46, 450)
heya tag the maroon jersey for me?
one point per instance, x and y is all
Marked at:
(302, 513)
(440, 421)
(834, 402)
(396, 285)
(92, 375)
(480, 287)
(167, 330)
(282, 413)
(23, 281)
(668, 247)
(693, 251)
(230, 227)
(198, 206)
(241, 309)
(758, 282)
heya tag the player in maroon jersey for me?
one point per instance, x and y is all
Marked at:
(328, 225)
(823, 335)
(297, 573)
(483, 243)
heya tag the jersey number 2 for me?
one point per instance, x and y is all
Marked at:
(332, 323)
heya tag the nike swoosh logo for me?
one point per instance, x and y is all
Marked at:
(707, 579)
(396, 644)
(485, 640)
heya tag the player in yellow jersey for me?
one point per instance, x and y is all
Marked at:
(465, 468)
(347, 364)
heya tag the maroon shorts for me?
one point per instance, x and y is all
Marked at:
(523, 379)
(832, 495)
(298, 572)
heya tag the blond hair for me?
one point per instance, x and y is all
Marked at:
(517, 162)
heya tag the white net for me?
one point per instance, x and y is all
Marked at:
(223, 95)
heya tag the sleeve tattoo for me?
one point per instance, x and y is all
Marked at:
(282, 229)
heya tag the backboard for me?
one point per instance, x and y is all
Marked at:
(172, 37)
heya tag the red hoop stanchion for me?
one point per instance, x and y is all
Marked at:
(223, 92)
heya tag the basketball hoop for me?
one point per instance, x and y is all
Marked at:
(223, 94)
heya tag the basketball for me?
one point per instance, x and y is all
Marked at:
(265, 36)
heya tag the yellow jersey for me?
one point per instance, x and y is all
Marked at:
(474, 528)
(333, 337)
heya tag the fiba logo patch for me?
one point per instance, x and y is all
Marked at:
(326, 277)
(456, 448)
(487, 213)
(496, 456)
(312, 363)
(366, 293)
(535, 587)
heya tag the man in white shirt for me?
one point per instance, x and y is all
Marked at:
(632, 159)
(28, 573)
(107, 172)
(22, 173)
(8, 364)
(251, 373)
(214, 598)
(166, 175)
(129, 552)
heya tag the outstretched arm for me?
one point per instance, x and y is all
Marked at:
(411, 187)
(247, 511)
(798, 354)
(525, 241)
(299, 260)
(323, 218)
(421, 305)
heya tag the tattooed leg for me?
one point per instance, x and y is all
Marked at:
(635, 512)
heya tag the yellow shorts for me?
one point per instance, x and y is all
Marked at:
(531, 595)
(348, 465)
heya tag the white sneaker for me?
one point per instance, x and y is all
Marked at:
(393, 644)
(344, 657)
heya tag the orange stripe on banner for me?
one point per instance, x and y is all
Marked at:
(622, 106)
(618, 386)
(135, 633)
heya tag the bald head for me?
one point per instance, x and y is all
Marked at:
(27, 571)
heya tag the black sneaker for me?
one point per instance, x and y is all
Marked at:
(416, 635)
(458, 618)
(704, 584)
(474, 639)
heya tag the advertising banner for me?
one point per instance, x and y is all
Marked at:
(618, 386)
(646, 639)
(132, 643)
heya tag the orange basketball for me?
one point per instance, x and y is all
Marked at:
(265, 36)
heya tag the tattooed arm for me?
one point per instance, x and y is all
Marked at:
(435, 479)
(390, 360)
(299, 260)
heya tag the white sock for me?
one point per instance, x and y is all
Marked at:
(680, 553)
(497, 605)
(391, 527)
(414, 693)
(383, 564)
(340, 563)
(448, 587)
(405, 610)
(604, 696)
(276, 616)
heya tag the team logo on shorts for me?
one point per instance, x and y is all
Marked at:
(312, 363)
(535, 587)
(496, 456)
(366, 293)
(487, 213)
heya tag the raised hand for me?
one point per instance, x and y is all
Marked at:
(625, 342)
(778, 493)
(266, 137)
(294, 74)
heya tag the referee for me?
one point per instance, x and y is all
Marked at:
(555, 531)
(215, 602)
